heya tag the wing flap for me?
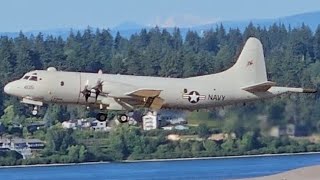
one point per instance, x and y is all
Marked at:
(261, 87)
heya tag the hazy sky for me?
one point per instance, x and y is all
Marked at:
(28, 15)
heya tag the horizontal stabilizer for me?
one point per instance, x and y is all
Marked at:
(261, 87)
(145, 93)
(277, 90)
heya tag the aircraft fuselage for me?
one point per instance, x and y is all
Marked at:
(66, 87)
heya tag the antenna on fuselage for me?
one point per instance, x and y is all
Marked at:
(51, 69)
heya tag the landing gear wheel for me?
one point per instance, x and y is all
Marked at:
(101, 117)
(34, 112)
(123, 118)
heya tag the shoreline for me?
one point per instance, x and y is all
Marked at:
(220, 157)
(158, 160)
(307, 173)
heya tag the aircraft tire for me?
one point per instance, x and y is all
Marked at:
(123, 118)
(101, 117)
(34, 112)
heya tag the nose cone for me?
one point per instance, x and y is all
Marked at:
(8, 88)
(14, 88)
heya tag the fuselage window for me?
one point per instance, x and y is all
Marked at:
(33, 78)
(62, 83)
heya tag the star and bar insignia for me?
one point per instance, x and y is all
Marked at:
(194, 97)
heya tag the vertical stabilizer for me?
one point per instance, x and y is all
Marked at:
(249, 70)
(250, 67)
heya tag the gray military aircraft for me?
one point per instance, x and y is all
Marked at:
(245, 81)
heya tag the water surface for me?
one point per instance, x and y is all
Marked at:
(224, 168)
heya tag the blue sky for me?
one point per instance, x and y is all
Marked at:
(29, 15)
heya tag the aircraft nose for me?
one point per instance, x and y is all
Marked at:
(7, 88)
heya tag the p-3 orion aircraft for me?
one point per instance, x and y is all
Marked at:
(245, 81)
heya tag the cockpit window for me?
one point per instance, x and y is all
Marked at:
(26, 77)
(33, 78)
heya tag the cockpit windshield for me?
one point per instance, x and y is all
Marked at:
(26, 77)
(33, 78)
(30, 77)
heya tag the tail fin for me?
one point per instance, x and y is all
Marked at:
(249, 69)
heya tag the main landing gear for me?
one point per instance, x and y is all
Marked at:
(102, 117)
(122, 118)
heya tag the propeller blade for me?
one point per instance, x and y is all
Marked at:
(97, 94)
(87, 96)
(98, 88)
(86, 93)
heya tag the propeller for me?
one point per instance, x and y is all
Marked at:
(88, 91)
(98, 88)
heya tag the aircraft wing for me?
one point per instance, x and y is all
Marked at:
(133, 96)
(260, 87)
(144, 93)
(150, 97)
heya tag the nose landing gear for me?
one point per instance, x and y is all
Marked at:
(35, 110)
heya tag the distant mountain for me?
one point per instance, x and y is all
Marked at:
(311, 19)
(126, 29)
(128, 26)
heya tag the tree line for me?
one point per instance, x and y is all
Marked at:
(292, 58)
(132, 143)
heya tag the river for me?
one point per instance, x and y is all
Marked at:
(217, 168)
